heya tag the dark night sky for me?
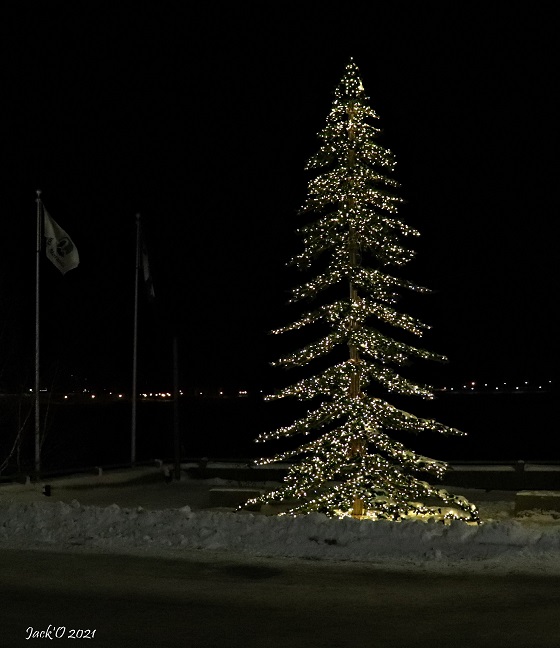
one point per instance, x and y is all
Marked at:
(202, 120)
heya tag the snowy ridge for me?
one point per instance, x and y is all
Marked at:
(531, 544)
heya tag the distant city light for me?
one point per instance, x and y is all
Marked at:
(525, 386)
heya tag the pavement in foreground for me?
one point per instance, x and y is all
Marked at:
(226, 602)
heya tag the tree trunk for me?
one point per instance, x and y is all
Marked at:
(357, 447)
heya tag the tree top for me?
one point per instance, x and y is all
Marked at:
(351, 86)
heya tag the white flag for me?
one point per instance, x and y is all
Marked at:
(59, 246)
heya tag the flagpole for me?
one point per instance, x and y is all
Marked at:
(135, 346)
(37, 384)
(176, 434)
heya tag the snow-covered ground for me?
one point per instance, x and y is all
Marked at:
(132, 512)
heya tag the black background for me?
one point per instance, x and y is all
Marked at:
(201, 120)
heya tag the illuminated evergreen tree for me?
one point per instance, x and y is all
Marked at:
(352, 465)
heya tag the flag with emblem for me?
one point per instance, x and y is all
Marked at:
(60, 248)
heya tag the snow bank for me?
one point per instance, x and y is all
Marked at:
(532, 543)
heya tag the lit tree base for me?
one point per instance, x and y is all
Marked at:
(358, 510)
(446, 516)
